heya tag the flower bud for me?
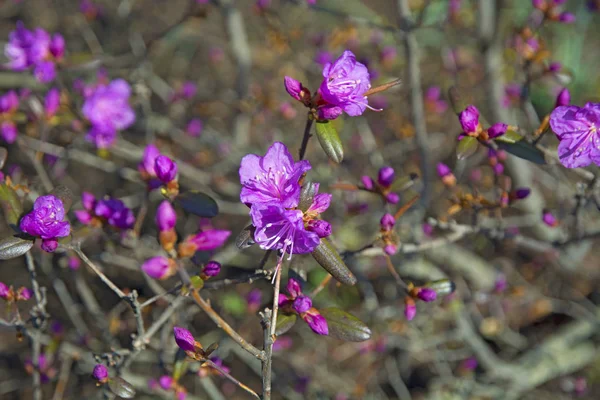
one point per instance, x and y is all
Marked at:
(212, 268)
(390, 249)
(52, 102)
(554, 66)
(302, 304)
(166, 218)
(410, 308)
(146, 166)
(165, 169)
(469, 119)
(88, 200)
(387, 222)
(49, 245)
(157, 267)
(520, 193)
(100, 373)
(496, 130)
(316, 322)
(385, 177)
(563, 98)
(24, 293)
(427, 294)
(549, 219)
(4, 291)
(296, 90)
(498, 168)
(566, 17)
(444, 172)
(392, 198)
(165, 382)
(293, 288)
(184, 339)
(367, 182)
(194, 127)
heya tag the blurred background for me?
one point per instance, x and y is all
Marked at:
(523, 321)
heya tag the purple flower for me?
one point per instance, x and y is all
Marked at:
(4, 290)
(554, 66)
(521, 193)
(302, 304)
(549, 219)
(209, 239)
(563, 98)
(115, 212)
(8, 131)
(410, 309)
(108, 110)
(293, 288)
(386, 176)
(184, 339)
(566, 17)
(146, 166)
(577, 129)
(8, 105)
(52, 102)
(281, 229)
(194, 127)
(254, 298)
(387, 222)
(390, 249)
(157, 267)
(433, 100)
(272, 178)
(165, 169)
(320, 227)
(165, 382)
(46, 220)
(427, 294)
(367, 182)
(469, 119)
(188, 90)
(45, 71)
(346, 81)
(100, 373)
(166, 217)
(294, 88)
(392, 198)
(316, 322)
(443, 170)
(212, 268)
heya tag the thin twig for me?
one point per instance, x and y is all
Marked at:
(305, 138)
(231, 378)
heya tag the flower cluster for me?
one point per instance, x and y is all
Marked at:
(552, 10)
(434, 103)
(46, 221)
(9, 294)
(35, 49)
(578, 129)
(469, 121)
(169, 384)
(108, 111)
(44, 366)
(99, 212)
(425, 294)
(298, 303)
(270, 186)
(157, 170)
(9, 103)
(344, 89)
(383, 185)
(387, 234)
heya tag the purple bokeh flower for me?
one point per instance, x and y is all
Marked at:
(194, 127)
(157, 267)
(165, 382)
(578, 129)
(272, 178)
(184, 339)
(52, 102)
(281, 229)
(146, 166)
(46, 221)
(115, 212)
(209, 239)
(434, 101)
(346, 81)
(108, 110)
(165, 169)
(8, 106)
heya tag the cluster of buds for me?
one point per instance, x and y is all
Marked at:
(44, 367)
(9, 104)
(530, 47)
(388, 235)
(427, 293)
(298, 303)
(469, 121)
(553, 12)
(111, 211)
(434, 103)
(496, 159)
(9, 294)
(383, 185)
(159, 170)
(192, 348)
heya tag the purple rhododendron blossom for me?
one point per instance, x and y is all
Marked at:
(346, 81)
(498, 129)
(209, 239)
(578, 129)
(46, 221)
(184, 339)
(108, 110)
(4, 290)
(302, 304)
(165, 382)
(146, 166)
(115, 212)
(52, 102)
(281, 229)
(386, 176)
(272, 178)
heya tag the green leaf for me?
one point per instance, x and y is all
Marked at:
(307, 194)
(466, 147)
(284, 323)
(197, 203)
(345, 326)
(121, 387)
(13, 247)
(330, 141)
(328, 257)
(524, 150)
(11, 204)
(509, 137)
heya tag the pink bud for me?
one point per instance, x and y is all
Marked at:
(496, 130)
(293, 87)
(4, 290)
(469, 119)
(392, 198)
(320, 227)
(157, 267)
(166, 217)
(563, 98)
(390, 249)
(385, 177)
(24, 294)
(443, 170)
(100, 373)
(49, 245)
(410, 310)
(549, 219)
(165, 382)
(427, 294)
(567, 18)
(302, 304)
(165, 169)
(367, 182)
(316, 322)
(194, 127)
(293, 288)
(387, 222)
(184, 339)
(212, 268)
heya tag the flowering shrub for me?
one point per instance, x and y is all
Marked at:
(295, 207)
